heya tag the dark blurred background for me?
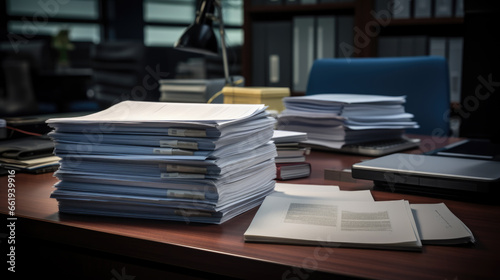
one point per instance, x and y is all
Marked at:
(84, 55)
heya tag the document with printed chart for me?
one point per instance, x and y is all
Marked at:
(330, 222)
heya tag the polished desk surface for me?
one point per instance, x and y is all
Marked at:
(220, 249)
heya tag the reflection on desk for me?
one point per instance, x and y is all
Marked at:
(101, 247)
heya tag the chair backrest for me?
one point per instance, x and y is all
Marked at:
(423, 79)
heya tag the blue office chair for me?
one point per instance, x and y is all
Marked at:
(423, 79)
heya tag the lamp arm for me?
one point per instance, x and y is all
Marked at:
(223, 43)
(206, 9)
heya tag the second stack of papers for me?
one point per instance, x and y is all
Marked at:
(335, 120)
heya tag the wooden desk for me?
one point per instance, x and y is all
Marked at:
(88, 247)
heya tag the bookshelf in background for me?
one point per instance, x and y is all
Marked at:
(276, 20)
(264, 19)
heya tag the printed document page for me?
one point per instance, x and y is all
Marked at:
(283, 136)
(303, 191)
(159, 112)
(382, 224)
(438, 225)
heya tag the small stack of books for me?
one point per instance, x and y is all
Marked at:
(291, 160)
(32, 154)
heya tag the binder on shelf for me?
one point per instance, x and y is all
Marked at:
(283, 51)
(402, 10)
(382, 6)
(422, 8)
(390, 46)
(443, 8)
(259, 42)
(273, 2)
(257, 2)
(335, 1)
(325, 37)
(459, 8)
(279, 54)
(437, 46)
(452, 49)
(345, 35)
(271, 53)
(334, 38)
(419, 47)
(406, 45)
(303, 50)
(455, 51)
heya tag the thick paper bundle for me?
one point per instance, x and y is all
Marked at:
(173, 161)
(336, 120)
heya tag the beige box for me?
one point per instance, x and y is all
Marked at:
(270, 96)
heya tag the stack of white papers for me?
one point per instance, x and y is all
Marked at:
(173, 161)
(335, 120)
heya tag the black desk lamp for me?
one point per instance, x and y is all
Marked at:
(199, 37)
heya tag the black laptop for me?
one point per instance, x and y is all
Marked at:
(453, 177)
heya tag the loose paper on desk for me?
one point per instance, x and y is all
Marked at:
(169, 113)
(438, 225)
(283, 136)
(349, 98)
(380, 225)
(304, 191)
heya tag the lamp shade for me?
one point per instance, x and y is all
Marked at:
(198, 38)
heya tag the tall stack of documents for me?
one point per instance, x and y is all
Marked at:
(335, 120)
(172, 161)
